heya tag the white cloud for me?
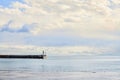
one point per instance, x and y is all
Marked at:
(73, 50)
(87, 18)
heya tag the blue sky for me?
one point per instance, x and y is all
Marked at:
(60, 23)
(7, 3)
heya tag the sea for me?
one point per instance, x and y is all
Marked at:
(71, 67)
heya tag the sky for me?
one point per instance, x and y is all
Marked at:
(91, 23)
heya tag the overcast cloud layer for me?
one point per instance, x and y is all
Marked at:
(61, 23)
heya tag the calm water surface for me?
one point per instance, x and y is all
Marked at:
(63, 64)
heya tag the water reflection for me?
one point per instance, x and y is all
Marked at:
(61, 65)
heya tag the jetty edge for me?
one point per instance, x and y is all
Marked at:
(43, 56)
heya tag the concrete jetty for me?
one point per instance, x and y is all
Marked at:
(43, 56)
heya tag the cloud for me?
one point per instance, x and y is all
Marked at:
(74, 50)
(86, 18)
